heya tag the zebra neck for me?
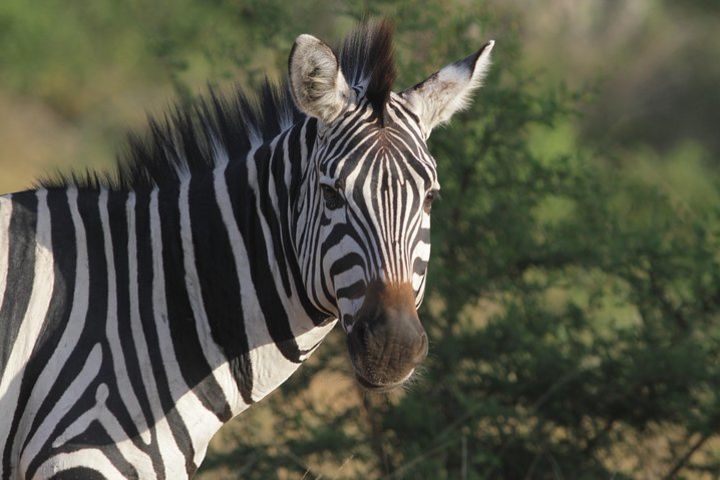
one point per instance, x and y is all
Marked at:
(234, 306)
(242, 281)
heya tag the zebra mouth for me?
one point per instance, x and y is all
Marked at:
(380, 388)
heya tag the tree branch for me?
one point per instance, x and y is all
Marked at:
(682, 462)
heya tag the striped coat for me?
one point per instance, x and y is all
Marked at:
(143, 310)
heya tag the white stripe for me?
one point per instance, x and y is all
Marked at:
(200, 422)
(405, 121)
(69, 398)
(91, 458)
(422, 251)
(215, 357)
(270, 368)
(5, 215)
(169, 451)
(301, 326)
(132, 454)
(135, 456)
(32, 322)
(70, 335)
(112, 329)
(82, 422)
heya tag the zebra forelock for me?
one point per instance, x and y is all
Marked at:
(368, 61)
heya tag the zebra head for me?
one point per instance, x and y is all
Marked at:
(363, 211)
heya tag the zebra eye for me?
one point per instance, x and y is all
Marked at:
(429, 198)
(332, 197)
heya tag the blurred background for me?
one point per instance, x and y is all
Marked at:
(574, 296)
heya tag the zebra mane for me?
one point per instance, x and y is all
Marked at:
(367, 60)
(196, 137)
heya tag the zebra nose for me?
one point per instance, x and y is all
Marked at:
(399, 331)
(387, 340)
(386, 348)
(405, 337)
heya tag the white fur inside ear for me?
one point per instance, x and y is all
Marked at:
(317, 83)
(449, 90)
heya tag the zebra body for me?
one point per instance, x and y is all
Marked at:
(138, 317)
(153, 375)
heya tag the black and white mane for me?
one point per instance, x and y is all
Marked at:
(190, 138)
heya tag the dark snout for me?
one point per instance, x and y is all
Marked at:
(387, 341)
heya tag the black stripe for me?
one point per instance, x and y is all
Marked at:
(219, 282)
(21, 270)
(93, 331)
(286, 199)
(117, 203)
(274, 175)
(94, 436)
(346, 262)
(353, 291)
(243, 203)
(193, 365)
(77, 473)
(145, 286)
(63, 246)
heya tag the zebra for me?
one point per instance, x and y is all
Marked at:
(143, 309)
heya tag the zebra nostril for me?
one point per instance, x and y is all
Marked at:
(422, 350)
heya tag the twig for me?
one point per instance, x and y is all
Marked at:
(409, 465)
(347, 460)
(464, 467)
(533, 464)
(682, 462)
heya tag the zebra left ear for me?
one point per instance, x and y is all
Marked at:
(318, 85)
(448, 90)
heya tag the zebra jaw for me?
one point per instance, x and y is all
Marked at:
(371, 387)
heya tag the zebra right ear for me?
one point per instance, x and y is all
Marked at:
(318, 85)
(448, 90)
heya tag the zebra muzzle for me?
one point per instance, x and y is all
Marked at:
(387, 340)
